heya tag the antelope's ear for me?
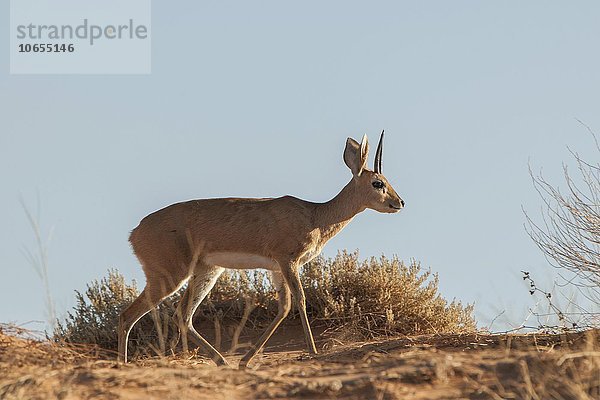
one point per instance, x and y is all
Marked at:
(355, 155)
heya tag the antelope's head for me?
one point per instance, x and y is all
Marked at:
(372, 188)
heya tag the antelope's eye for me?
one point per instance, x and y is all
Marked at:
(378, 184)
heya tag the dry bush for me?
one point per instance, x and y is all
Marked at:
(234, 291)
(95, 317)
(351, 298)
(380, 297)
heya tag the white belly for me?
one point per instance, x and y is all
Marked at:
(241, 261)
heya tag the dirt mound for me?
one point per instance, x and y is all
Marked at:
(475, 366)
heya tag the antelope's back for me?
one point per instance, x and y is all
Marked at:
(259, 226)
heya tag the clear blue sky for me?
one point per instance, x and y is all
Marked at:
(257, 98)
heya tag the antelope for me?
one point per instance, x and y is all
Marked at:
(194, 241)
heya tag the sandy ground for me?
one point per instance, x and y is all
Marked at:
(474, 366)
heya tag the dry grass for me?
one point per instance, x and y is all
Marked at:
(448, 366)
(349, 298)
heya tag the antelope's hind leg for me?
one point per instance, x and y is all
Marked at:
(199, 285)
(154, 292)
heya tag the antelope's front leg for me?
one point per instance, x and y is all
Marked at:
(292, 278)
(285, 305)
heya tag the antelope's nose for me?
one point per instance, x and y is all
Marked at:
(402, 202)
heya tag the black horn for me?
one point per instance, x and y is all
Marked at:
(378, 154)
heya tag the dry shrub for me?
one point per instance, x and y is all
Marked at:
(234, 291)
(351, 298)
(95, 317)
(380, 297)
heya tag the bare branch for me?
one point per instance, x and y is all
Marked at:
(568, 233)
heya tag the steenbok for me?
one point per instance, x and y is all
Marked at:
(196, 240)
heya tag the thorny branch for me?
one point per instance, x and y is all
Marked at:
(573, 317)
